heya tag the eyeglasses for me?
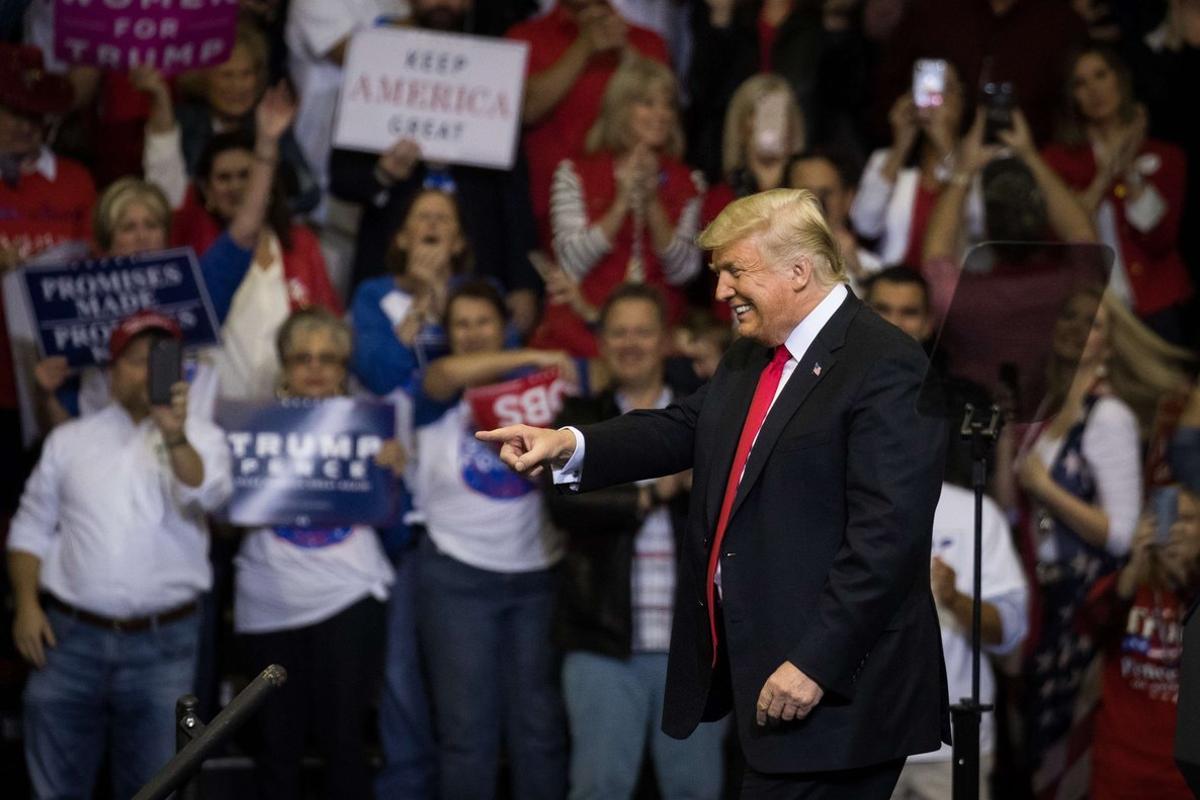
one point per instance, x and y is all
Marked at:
(310, 359)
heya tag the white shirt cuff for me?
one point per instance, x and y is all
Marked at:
(572, 472)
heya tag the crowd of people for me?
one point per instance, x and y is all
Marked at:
(500, 630)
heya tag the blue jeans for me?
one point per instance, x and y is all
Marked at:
(405, 727)
(614, 708)
(101, 689)
(492, 670)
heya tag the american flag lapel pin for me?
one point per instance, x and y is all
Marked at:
(817, 369)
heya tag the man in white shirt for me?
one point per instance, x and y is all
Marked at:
(108, 557)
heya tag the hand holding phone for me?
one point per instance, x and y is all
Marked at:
(998, 104)
(929, 83)
(1166, 509)
(165, 370)
(771, 125)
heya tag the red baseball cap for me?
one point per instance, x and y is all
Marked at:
(140, 322)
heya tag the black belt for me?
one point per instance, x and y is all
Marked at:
(125, 625)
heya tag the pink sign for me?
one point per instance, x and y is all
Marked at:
(171, 35)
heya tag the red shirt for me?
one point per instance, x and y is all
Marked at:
(923, 203)
(561, 328)
(561, 133)
(37, 214)
(1134, 736)
(1151, 258)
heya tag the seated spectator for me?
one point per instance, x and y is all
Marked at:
(287, 271)
(901, 296)
(704, 341)
(397, 317)
(1080, 485)
(573, 52)
(628, 210)
(901, 183)
(487, 577)
(313, 600)
(108, 560)
(831, 178)
(816, 47)
(1136, 616)
(614, 614)
(1133, 187)
(219, 99)
(46, 201)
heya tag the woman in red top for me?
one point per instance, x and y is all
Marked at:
(628, 210)
(1133, 186)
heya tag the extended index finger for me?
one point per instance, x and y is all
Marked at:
(500, 434)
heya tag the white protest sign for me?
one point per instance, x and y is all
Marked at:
(457, 96)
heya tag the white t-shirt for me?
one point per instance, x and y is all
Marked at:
(313, 28)
(292, 577)
(476, 509)
(1003, 585)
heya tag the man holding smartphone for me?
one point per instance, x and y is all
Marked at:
(108, 557)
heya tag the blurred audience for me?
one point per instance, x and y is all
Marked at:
(629, 210)
(1136, 617)
(1077, 494)
(573, 51)
(489, 564)
(108, 559)
(221, 99)
(1132, 185)
(831, 178)
(901, 183)
(614, 614)
(313, 600)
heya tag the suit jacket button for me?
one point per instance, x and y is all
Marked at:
(700, 603)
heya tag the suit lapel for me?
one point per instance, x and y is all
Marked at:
(735, 406)
(811, 369)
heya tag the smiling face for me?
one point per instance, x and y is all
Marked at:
(226, 184)
(137, 230)
(1096, 88)
(315, 364)
(233, 87)
(633, 342)
(763, 298)
(652, 118)
(475, 326)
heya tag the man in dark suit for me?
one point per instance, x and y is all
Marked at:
(803, 600)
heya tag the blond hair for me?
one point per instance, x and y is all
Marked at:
(740, 114)
(1142, 367)
(194, 83)
(787, 224)
(117, 199)
(635, 80)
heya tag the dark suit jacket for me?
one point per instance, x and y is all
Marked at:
(826, 557)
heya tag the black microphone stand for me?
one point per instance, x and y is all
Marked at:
(195, 741)
(981, 430)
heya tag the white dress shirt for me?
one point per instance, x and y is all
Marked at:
(797, 343)
(116, 532)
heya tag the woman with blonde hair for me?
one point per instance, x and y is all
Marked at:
(628, 209)
(1078, 497)
(764, 128)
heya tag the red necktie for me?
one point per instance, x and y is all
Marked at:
(768, 382)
